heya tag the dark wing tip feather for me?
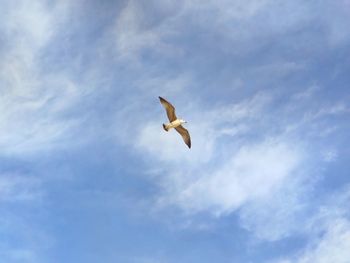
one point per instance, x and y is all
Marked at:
(188, 142)
(185, 135)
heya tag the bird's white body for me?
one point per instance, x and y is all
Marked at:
(173, 124)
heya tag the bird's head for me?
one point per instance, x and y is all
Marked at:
(183, 121)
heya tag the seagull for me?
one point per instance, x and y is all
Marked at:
(175, 122)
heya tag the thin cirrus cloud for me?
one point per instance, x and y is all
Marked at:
(333, 247)
(250, 174)
(329, 230)
(34, 102)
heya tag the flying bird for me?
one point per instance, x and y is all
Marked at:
(175, 122)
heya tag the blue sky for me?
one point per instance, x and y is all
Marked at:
(87, 174)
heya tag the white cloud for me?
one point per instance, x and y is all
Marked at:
(140, 28)
(229, 10)
(332, 247)
(32, 97)
(329, 233)
(306, 93)
(311, 115)
(254, 172)
(336, 109)
(281, 213)
(134, 30)
(32, 19)
(336, 24)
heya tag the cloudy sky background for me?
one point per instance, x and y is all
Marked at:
(87, 173)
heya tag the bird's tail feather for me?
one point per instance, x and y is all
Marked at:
(165, 127)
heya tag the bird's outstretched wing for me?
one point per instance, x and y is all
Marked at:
(170, 110)
(185, 135)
